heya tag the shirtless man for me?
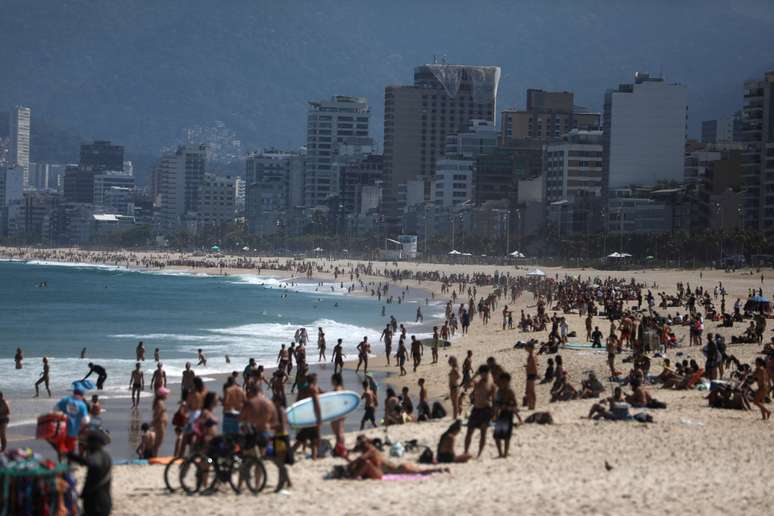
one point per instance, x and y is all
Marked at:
(338, 357)
(387, 338)
(282, 358)
(532, 376)
(140, 352)
(362, 355)
(435, 344)
(202, 359)
(423, 408)
(337, 426)
(401, 356)
(159, 378)
(761, 377)
(44, 376)
(417, 350)
(612, 347)
(136, 384)
(5, 413)
(483, 398)
(194, 401)
(310, 435)
(187, 382)
(278, 381)
(261, 414)
(454, 387)
(369, 398)
(233, 399)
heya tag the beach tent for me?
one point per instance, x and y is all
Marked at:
(517, 254)
(245, 248)
(536, 273)
(758, 304)
(318, 249)
(454, 251)
(617, 255)
(215, 248)
(466, 254)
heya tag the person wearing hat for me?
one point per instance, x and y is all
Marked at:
(77, 414)
(96, 497)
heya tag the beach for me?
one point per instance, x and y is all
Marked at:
(691, 459)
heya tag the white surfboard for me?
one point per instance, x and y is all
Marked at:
(333, 405)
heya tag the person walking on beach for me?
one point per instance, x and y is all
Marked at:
(282, 358)
(435, 344)
(140, 352)
(321, 345)
(137, 384)
(5, 417)
(202, 359)
(401, 356)
(481, 415)
(454, 387)
(44, 376)
(387, 338)
(362, 355)
(417, 350)
(338, 357)
(18, 358)
(310, 435)
(761, 377)
(530, 397)
(100, 372)
(369, 398)
(159, 378)
(187, 381)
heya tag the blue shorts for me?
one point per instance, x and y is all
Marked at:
(230, 423)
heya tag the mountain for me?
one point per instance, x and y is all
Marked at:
(139, 71)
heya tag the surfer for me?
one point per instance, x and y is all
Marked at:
(100, 372)
(362, 355)
(44, 375)
(310, 435)
(338, 357)
(137, 384)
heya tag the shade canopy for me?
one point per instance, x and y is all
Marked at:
(517, 254)
(536, 272)
(454, 251)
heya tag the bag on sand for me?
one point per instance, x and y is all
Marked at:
(540, 418)
(426, 457)
(438, 411)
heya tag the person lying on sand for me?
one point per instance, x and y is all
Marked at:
(371, 464)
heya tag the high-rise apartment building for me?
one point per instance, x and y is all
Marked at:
(417, 119)
(452, 183)
(573, 166)
(722, 130)
(178, 177)
(758, 154)
(645, 131)
(356, 174)
(549, 115)
(330, 124)
(19, 133)
(216, 203)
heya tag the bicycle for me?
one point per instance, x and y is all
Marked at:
(224, 463)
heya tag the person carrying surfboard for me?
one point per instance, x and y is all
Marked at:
(310, 435)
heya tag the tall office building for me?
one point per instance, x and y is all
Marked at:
(330, 125)
(101, 155)
(758, 154)
(417, 119)
(644, 132)
(548, 116)
(722, 130)
(177, 178)
(19, 133)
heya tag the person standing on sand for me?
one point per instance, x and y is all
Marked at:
(338, 357)
(282, 358)
(160, 420)
(435, 345)
(506, 407)
(401, 356)
(761, 377)
(337, 426)
(532, 376)
(44, 376)
(233, 399)
(483, 398)
(417, 350)
(362, 355)
(369, 398)
(136, 385)
(454, 387)
(387, 338)
(310, 435)
(187, 382)
(5, 417)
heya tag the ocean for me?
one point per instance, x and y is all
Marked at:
(107, 310)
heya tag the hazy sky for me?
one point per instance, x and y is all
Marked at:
(140, 71)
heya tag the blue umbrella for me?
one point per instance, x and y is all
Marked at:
(760, 299)
(83, 385)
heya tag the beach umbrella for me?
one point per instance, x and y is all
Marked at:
(318, 249)
(215, 248)
(625, 255)
(245, 248)
(536, 273)
(466, 254)
(760, 299)
(517, 254)
(454, 251)
(616, 254)
(83, 385)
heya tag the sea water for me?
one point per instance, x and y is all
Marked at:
(108, 310)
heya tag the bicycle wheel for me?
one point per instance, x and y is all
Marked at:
(252, 473)
(194, 473)
(172, 474)
(225, 471)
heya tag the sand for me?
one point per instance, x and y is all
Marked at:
(692, 459)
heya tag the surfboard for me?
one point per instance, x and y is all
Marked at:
(333, 405)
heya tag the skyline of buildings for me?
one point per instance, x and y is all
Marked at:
(446, 163)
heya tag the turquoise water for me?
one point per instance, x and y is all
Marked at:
(108, 310)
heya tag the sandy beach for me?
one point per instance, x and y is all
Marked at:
(691, 459)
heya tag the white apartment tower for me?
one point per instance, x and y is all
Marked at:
(19, 129)
(330, 124)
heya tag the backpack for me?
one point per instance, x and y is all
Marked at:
(438, 412)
